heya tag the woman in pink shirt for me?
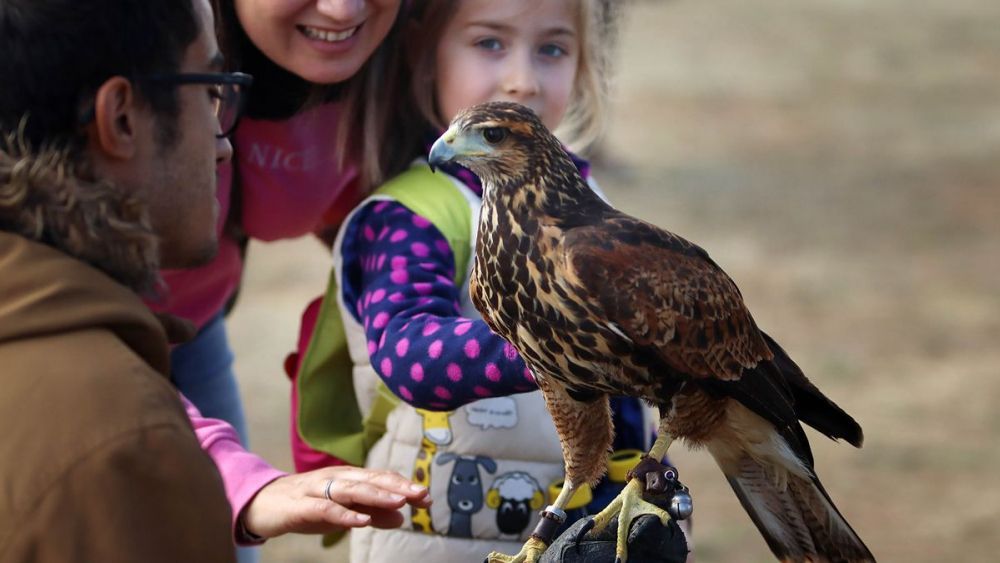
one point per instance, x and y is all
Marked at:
(293, 173)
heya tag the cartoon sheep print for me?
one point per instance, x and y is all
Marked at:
(465, 490)
(515, 496)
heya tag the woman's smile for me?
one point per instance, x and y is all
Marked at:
(326, 35)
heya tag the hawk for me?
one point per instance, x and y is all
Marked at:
(600, 303)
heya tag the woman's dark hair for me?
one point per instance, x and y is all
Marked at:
(371, 113)
(276, 93)
(410, 106)
(57, 53)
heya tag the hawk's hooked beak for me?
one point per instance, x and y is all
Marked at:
(443, 150)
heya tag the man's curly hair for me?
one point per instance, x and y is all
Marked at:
(49, 197)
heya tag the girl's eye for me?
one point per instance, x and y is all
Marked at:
(552, 50)
(490, 44)
(494, 135)
(215, 92)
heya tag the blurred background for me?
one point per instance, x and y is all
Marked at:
(841, 160)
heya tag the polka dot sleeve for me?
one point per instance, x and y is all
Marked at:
(398, 271)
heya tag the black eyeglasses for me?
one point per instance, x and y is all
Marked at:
(229, 95)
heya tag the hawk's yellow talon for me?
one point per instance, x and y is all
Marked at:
(628, 506)
(530, 553)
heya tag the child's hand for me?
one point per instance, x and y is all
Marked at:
(331, 499)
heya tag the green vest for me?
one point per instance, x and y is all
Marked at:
(329, 418)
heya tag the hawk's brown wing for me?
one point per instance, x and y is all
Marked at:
(673, 302)
(665, 294)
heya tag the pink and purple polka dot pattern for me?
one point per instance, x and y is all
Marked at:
(398, 274)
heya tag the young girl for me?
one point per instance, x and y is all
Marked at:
(396, 323)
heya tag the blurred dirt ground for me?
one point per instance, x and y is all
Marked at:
(841, 160)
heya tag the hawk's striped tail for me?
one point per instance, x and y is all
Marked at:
(785, 500)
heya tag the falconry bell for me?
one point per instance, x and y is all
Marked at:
(681, 505)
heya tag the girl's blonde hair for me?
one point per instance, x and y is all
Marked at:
(586, 116)
(406, 105)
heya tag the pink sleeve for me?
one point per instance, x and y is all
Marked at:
(243, 473)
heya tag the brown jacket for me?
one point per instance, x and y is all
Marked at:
(98, 461)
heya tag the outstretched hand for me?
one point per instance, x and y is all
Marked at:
(309, 503)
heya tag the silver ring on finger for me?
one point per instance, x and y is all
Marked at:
(326, 491)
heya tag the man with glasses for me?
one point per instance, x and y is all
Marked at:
(113, 117)
(104, 177)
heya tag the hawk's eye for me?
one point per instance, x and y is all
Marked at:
(494, 135)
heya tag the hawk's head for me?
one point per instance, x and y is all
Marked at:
(501, 142)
